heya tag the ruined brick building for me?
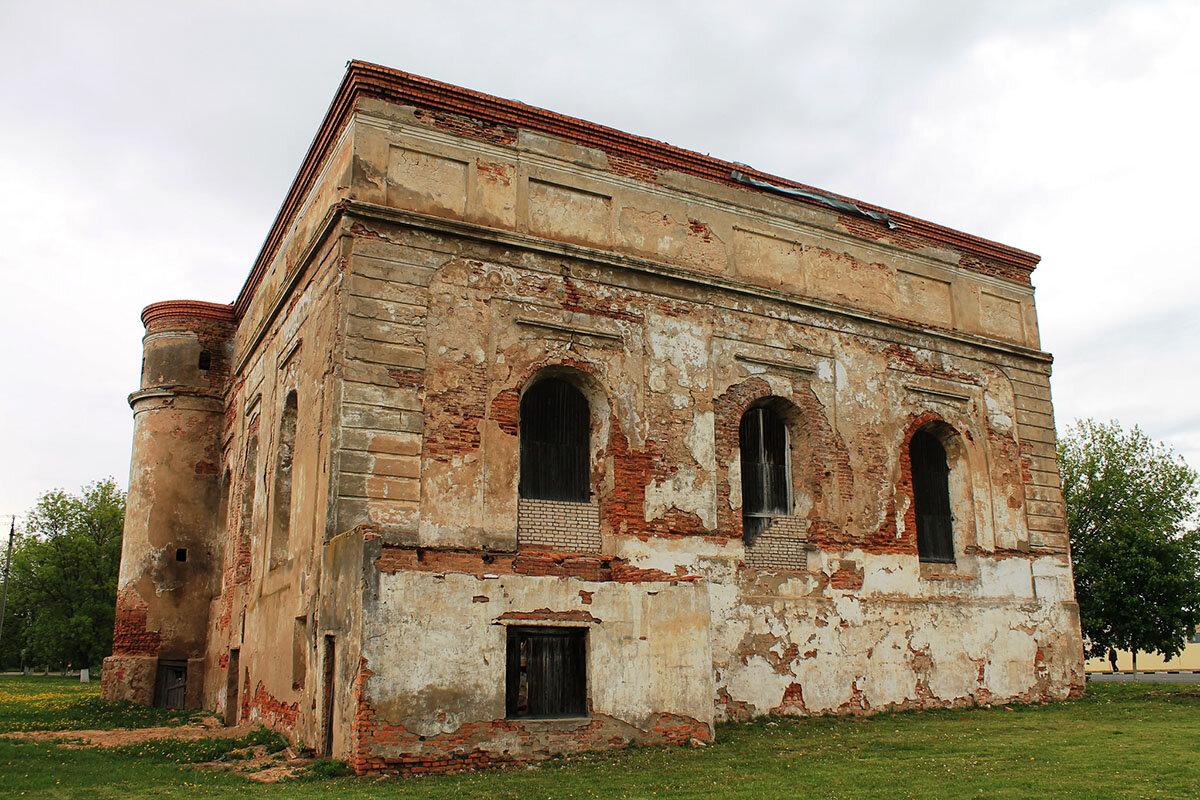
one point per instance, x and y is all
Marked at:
(527, 435)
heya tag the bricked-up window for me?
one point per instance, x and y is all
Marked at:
(931, 498)
(281, 517)
(547, 672)
(249, 485)
(222, 519)
(555, 428)
(299, 652)
(766, 472)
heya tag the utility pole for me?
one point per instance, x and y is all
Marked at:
(12, 528)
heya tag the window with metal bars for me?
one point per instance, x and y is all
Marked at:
(931, 498)
(555, 443)
(766, 469)
(546, 672)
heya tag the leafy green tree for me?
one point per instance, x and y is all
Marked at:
(1131, 512)
(63, 580)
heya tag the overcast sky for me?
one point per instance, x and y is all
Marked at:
(145, 148)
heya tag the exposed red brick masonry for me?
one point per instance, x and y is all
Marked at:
(585, 567)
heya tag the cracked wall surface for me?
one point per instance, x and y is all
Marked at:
(434, 267)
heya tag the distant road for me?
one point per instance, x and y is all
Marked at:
(1147, 677)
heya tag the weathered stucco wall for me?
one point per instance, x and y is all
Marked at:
(669, 360)
(435, 267)
(270, 607)
(433, 658)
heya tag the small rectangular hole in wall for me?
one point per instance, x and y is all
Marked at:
(205, 360)
(181, 554)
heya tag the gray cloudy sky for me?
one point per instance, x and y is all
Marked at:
(145, 148)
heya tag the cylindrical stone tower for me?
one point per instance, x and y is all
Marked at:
(171, 548)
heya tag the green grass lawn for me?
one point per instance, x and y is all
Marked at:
(1119, 741)
(51, 703)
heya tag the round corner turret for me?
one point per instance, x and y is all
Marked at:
(187, 346)
(173, 520)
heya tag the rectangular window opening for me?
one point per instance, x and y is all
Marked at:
(546, 673)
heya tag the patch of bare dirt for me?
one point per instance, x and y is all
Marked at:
(254, 762)
(257, 764)
(120, 736)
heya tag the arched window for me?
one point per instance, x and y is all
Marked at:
(221, 525)
(249, 484)
(555, 443)
(249, 489)
(931, 496)
(281, 518)
(766, 471)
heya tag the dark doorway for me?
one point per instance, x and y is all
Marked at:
(327, 700)
(231, 689)
(170, 685)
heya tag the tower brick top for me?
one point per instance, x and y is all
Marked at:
(196, 309)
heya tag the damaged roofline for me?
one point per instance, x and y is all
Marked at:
(830, 200)
(373, 80)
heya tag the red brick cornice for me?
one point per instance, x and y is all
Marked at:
(363, 79)
(196, 309)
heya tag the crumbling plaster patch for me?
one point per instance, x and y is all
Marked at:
(869, 655)
(648, 657)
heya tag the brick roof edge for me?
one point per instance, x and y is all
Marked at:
(199, 309)
(374, 80)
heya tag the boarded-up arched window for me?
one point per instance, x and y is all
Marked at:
(281, 517)
(931, 498)
(555, 458)
(766, 473)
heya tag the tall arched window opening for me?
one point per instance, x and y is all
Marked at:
(766, 469)
(249, 489)
(555, 443)
(281, 517)
(221, 526)
(249, 485)
(931, 497)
